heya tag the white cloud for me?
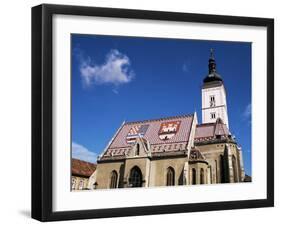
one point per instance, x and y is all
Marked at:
(82, 153)
(115, 70)
(185, 67)
(115, 91)
(248, 111)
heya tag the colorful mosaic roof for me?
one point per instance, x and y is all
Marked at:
(164, 134)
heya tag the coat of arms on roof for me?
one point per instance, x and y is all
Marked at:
(168, 129)
(135, 132)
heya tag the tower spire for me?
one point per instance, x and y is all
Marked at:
(212, 75)
(212, 53)
(212, 62)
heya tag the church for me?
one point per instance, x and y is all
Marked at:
(175, 150)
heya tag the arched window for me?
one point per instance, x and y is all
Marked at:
(216, 170)
(135, 179)
(201, 176)
(222, 170)
(234, 165)
(170, 177)
(137, 152)
(193, 176)
(113, 179)
(210, 175)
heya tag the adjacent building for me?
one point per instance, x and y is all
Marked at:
(81, 172)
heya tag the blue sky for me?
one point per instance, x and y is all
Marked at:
(118, 78)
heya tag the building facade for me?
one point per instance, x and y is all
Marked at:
(175, 150)
(81, 172)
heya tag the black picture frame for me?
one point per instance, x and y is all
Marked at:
(42, 111)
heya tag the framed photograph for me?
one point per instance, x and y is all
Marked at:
(146, 112)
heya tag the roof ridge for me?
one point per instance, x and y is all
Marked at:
(215, 128)
(160, 119)
(221, 124)
(75, 159)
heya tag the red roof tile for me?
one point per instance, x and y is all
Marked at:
(82, 168)
(211, 130)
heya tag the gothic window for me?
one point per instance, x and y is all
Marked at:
(222, 170)
(170, 177)
(211, 174)
(193, 172)
(135, 179)
(113, 179)
(201, 176)
(213, 115)
(234, 165)
(212, 101)
(216, 170)
(137, 152)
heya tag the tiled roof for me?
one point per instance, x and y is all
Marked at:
(209, 131)
(82, 168)
(176, 138)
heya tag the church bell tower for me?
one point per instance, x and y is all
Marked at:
(214, 104)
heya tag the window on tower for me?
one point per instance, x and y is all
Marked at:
(213, 115)
(212, 101)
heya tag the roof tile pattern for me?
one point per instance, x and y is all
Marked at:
(209, 131)
(82, 168)
(152, 132)
(120, 145)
